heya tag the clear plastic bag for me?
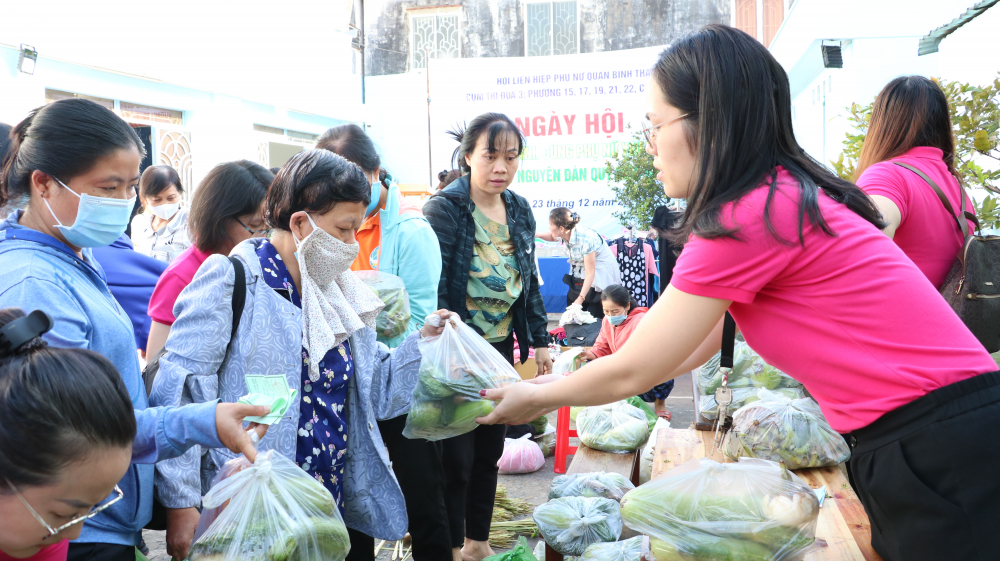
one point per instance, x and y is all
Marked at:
(754, 510)
(595, 484)
(649, 451)
(547, 441)
(394, 318)
(208, 515)
(520, 455)
(626, 550)
(276, 512)
(749, 372)
(570, 524)
(569, 361)
(742, 396)
(616, 427)
(574, 314)
(780, 429)
(454, 367)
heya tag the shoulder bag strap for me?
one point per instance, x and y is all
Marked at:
(239, 298)
(958, 218)
(728, 342)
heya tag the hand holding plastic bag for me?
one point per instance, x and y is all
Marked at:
(596, 484)
(753, 510)
(571, 524)
(276, 512)
(454, 367)
(520, 455)
(394, 318)
(780, 429)
(627, 550)
(616, 427)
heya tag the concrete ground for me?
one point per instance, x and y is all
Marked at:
(532, 487)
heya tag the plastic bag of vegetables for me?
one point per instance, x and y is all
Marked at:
(616, 427)
(780, 429)
(394, 318)
(547, 441)
(520, 552)
(742, 396)
(597, 484)
(754, 510)
(454, 366)
(626, 550)
(208, 515)
(520, 455)
(569, 361)
(570, 524)
(276, 512)
(749, 371)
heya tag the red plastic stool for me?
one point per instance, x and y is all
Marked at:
(563, 433)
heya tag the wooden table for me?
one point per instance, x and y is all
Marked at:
(843, 532)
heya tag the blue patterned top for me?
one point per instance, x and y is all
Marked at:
(322, 433)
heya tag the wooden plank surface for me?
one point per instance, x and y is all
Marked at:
(843, 532)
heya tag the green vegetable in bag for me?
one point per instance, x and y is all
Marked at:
(571, 524)
(617, 427)
(520, 552)
(641, 405)
(538, 425)
(627, 550)
(597, 484)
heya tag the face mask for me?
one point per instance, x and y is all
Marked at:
(376, 196)
(617, 320)
(99, 221)
(335, 303)
(165, 211)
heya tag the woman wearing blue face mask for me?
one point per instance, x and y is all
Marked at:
(621, 316)
(76, 165)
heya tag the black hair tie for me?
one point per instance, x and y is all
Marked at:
(22, 330)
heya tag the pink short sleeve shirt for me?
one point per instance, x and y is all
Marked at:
(173, 280)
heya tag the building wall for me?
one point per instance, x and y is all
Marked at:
(495, 28)
(220, 127)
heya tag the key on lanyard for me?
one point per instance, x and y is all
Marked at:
(724, 395)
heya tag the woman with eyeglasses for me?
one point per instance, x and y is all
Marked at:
(225, 211)
(797, 256)
(592, 264)
(68, 433)
(77, 164)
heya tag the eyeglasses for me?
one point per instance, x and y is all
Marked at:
(53, 531)
(263, 232)
(649, 130)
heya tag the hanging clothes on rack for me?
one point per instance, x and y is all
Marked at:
(636, 263)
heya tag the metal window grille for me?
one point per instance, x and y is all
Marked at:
(436, 34)
(551, 28)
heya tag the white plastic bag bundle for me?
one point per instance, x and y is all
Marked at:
(570, 524)
(616, 427)
(547, 440)
(394, 318)
(453, 368)
(569, 361)
(754, 510)
(275, 512)
(595, 484)
(520, 455)
(649, 451)
(574, 314)
(626, 550)
(779, 429)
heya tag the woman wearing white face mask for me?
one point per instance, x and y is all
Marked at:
(76, 164)
(161, 230)
(309, 319)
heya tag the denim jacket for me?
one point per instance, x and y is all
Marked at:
(268, 341)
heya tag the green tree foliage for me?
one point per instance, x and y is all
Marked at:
(975, 119)
(633, 180)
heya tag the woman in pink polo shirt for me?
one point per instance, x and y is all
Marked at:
(910, 125)
(226, 210)
(797, 256)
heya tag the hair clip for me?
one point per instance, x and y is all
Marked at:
(22, 330)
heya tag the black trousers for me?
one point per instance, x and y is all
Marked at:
(591, 302)
(362, 546)
(925, 474)
(470, 474)
(103, 552)
(417, 465)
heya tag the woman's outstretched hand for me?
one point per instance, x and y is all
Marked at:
(514, 405)
(229, 422)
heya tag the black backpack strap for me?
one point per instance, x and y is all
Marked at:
(728, 342)
(239, 298)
